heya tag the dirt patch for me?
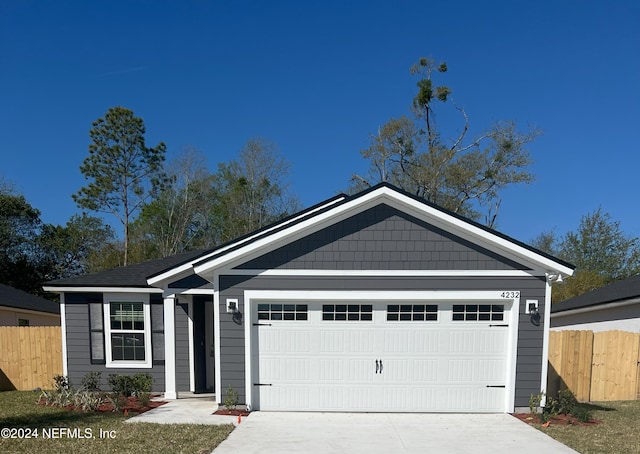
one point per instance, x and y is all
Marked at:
(558, 420)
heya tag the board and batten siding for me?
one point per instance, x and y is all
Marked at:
(530, 337)
(79, 350)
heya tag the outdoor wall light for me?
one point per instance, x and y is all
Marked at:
(555, 278)
(232, 305)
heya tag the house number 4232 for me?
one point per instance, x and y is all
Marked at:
(510, 295)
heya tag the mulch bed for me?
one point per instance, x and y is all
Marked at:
(234, 412)
(131, 408)
(558, 420)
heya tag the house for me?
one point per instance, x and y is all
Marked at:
(377, 301)
(613, 307)
(19, 308)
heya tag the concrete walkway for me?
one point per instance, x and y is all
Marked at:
(185, 411)
(325, 433)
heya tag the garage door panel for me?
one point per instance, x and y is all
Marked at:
(330, 365)
(347, 341)
(425, 370)
(286, 398)
(284, 340)
(403, 341)
(292, 370)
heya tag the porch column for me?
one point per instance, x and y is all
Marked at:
(170, 348)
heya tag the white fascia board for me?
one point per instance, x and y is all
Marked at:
(476, 234)
(101, 290)
(189, 291)
(600, 307)
(262, 232)
(383, 273)
(173, 273)
(414, 207)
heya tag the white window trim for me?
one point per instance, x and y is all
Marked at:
(127, 298)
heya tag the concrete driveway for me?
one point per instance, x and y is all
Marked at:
(325, 433)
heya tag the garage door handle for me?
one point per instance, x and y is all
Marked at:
(377, 366)
(380, 366)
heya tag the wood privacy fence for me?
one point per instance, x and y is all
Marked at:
(601, 366)
(29, 356)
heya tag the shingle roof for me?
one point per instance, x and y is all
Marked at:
(127, 276)
(12, 297)
(136, 275)
(617, 291)
(343, 199)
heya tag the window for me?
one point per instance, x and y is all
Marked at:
(127, 331)
(412, 312)
(478, 312)
(23, 322)
(347, 312)
(282, 312)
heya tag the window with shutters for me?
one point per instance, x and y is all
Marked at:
(127, 330)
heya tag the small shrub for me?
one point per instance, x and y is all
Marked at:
(63, 398)
(61, 382)
(131, 385)
(534, 402)
(144, 398)
(118, 401)
(550, 410)
(582, 414)
(87, 400)
(141, 383)
(121, 384)
(230, 398)
(47, 397)
(567, 401)
(91, 381)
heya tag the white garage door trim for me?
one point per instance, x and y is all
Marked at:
(252, 297)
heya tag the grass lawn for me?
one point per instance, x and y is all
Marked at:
(618, 433)
(19, 410)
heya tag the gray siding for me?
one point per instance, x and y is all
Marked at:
(529, 352)
(382, 238)
(78, 347)
(182, 347)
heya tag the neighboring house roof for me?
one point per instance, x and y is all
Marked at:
(182, 265)
(618, 291)
(15, 298)
(127, 276)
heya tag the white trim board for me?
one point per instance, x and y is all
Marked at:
(254, 296)
(63, 328)
(189, 266)
(383, 273)
(48, 288)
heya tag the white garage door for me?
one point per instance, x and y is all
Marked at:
(380, 357)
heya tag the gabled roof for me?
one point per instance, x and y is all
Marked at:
(131, 276)
(619, 291)
(382, 193)
(155, 272)
(13, 297)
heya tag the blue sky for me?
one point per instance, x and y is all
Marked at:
(318, 78)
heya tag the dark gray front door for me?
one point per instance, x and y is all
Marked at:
(199, 348)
